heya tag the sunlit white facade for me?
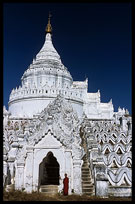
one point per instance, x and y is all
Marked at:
(50, 114)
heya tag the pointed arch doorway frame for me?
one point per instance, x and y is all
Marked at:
(49, 170)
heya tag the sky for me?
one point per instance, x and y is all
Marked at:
(93, 40)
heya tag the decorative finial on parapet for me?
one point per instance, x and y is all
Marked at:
(4, 109)
(86, 80)
(49, 27)
(126, 112)
(110, 101)
(119, 109)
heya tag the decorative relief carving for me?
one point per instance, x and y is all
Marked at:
(114, 145)
(60, 118)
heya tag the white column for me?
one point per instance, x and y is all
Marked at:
(29, 170)
(124, 124)
(36, 169)
(68, 169)
(19, 179)
(77, 182)
(4, 172)
(11, 168)
(62, 173)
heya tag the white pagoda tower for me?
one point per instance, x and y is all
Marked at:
(54, 126)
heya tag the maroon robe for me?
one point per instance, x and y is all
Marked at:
(65, 182)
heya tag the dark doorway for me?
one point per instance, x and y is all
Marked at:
(49, 170)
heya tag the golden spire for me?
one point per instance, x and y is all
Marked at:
(49, 27)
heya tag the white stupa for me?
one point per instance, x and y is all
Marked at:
(54, 126)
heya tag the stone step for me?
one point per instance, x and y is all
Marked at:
(85, 172)
(85, 166)
(49, 186)
(86, 182)
(85, 169)
(87, 190)
(90, 183)
(48, 192)
(86, 176)
(87, 186)
(49, 189)
(89, 193)
(85, 163)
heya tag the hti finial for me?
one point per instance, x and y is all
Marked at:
(49, 27)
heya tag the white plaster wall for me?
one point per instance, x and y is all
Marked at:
(91, 110)
(31, 106)
(39, 155)
(28, 107)
(95, 110)
(63, 156)
(78, 107)
(120, 191)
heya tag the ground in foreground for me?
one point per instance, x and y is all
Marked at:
(35, 196)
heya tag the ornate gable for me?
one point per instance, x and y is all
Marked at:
(60, 118)
(49, 142)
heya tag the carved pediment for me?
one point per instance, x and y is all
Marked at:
(60, 118)
(49, 141)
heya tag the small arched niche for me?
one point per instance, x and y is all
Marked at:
(49, 170)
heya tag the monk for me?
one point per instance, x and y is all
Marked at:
(65, 182)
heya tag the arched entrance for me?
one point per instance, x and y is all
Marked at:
(49, 170)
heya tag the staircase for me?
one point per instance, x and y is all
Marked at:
(49, 189)
(87, 186)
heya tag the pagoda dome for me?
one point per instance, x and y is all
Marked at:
(48, 52)
(44, 79)
(46, 64)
